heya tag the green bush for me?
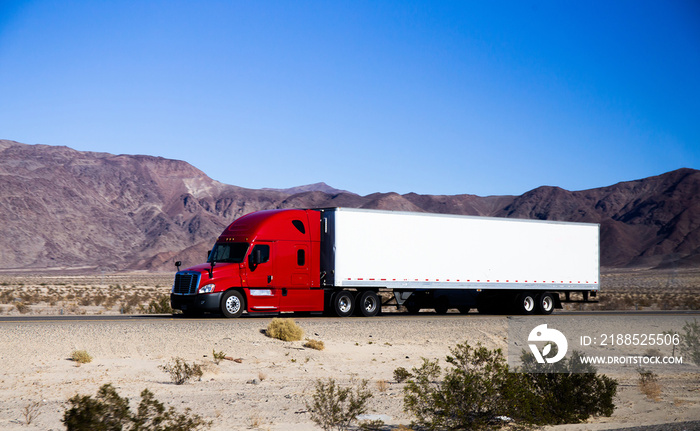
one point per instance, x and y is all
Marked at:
(161, 305)
(568, 391)
(284, 329)
(478, 388)
(218, 356)
(401, 374)
(181, 372)
(334, 407)
(471, 395)
(110, 412)
(690, 341)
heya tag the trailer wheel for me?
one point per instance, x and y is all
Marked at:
(232, 303)
(412, 308)
(442, 305)
(463, 310)
(485, 304)
(545, 303)
(526, 303)
(343, 303)
(368, 304)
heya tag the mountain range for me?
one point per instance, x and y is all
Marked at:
(62, 208)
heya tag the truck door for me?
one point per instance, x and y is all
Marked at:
(260, 278)
(297, 294)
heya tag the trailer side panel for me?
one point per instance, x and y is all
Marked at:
(413, 250)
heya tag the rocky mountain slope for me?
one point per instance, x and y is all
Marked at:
(65, 208)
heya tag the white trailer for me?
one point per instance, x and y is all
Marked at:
(447, 261)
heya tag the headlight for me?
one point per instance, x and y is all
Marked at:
(209, 288)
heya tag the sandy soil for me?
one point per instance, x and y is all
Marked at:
(268, 389)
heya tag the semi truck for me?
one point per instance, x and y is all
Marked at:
(344, 261)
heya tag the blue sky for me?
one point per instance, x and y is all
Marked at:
(441, 97)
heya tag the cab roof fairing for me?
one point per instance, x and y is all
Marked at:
(267, 225)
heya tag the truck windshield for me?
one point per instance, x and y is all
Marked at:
(233, 252)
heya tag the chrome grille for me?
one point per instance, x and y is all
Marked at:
(186, 283)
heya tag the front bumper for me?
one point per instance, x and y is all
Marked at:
(208, 302)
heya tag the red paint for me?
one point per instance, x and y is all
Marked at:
(293, 287)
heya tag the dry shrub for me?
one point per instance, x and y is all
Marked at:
(372, 425)
(649, 385)
(22, 307)
(382, 385)
(314, 344)
(254, 421)
(81, 357)
(110, 302)
(181, 372)
(160, 305)
(99, 299)
(218, 356)
(284, 329)
(31, 411)
(85, 301)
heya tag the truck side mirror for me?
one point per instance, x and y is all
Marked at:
(254, 259)
(177, 264)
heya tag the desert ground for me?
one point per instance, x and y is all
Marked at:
(268, 385)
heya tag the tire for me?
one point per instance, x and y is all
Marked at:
(463, 310)
(545, 303)
(442, 305)
(525, 303)
(412, 308)
(232, 304)
(343, 303)
(328, 308)
(368, 304)
(485, 305)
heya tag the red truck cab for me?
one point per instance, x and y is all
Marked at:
(266, 261)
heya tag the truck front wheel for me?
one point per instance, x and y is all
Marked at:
(343, 303)
(368, 304)
(232, 303)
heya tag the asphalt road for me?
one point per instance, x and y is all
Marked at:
(160, 317)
